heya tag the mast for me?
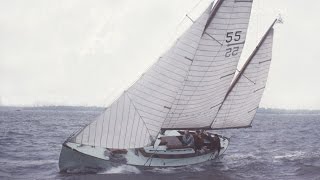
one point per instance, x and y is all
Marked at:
(213, 13)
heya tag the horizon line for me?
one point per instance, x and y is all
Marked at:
(97, 106)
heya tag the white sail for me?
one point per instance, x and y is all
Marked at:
(244, 96)
(139, 113)
(212, 68)
(184, 88)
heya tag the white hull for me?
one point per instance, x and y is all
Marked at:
(74, 156)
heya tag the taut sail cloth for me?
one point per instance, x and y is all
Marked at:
(183, 89)
(212, 68)
(242, 100)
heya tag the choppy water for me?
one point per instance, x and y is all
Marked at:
(279, 146)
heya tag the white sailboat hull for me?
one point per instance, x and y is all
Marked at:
(74, 156)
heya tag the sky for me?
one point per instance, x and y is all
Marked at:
(80, 52)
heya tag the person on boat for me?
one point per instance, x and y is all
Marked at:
(187, 139)
(198, 141)
(211, 142)
(203, 134)
(216, 143)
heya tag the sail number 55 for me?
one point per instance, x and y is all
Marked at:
(232, 36)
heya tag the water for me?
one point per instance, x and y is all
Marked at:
(279, 146)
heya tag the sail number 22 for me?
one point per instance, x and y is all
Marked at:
(232, 37)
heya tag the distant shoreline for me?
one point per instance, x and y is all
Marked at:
(54, 108)
(97, 108)
(287, 111)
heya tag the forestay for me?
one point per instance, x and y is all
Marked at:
(212, 68)
(137, 116)
(244, 96)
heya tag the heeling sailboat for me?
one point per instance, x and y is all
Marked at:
(187, 88)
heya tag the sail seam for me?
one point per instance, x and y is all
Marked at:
(186, 77)
(221, 103)
(131, 102)
(124, 102)
(102, 128)
(241, 73)
(213, 14)
(183, 83)
(125, 135)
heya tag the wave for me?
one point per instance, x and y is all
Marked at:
(241, 157)
(28, 163)
(123, 169)
(171, 170)
(296, 155)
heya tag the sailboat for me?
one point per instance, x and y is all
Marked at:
(193, 86)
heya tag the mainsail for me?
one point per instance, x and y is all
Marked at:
(242, 100)
(183, 89)
(212, 67)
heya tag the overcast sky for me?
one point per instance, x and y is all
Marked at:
(80, 52)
